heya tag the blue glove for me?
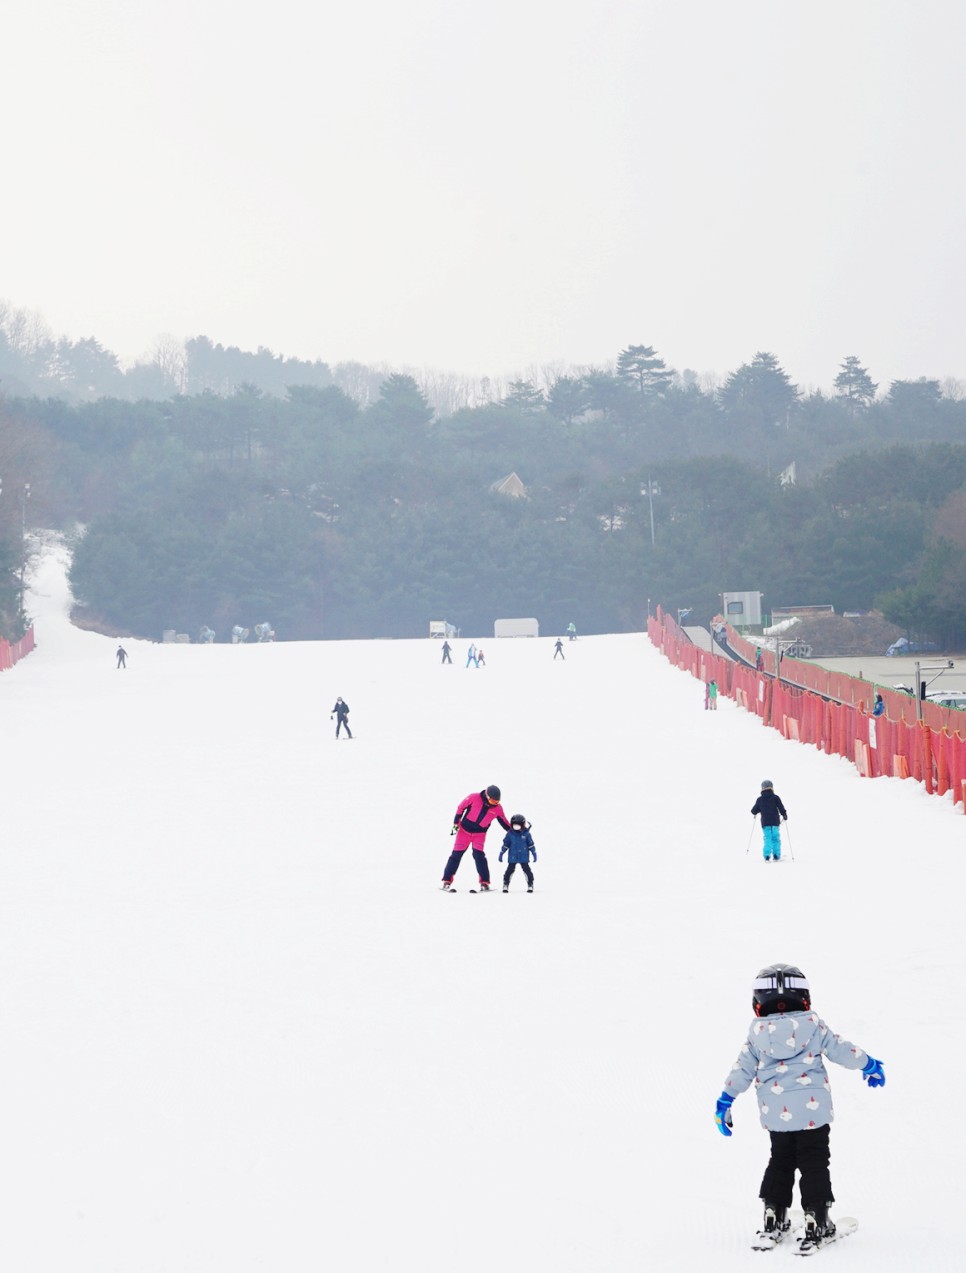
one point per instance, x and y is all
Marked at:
(500, 858)
(534, 852)
(873, 1073)
(722, 1114)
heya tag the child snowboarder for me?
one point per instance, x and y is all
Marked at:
(782, 1056)
(713, 695)
(341, 711)
(471, 821)
(518, 844)
(772, 811)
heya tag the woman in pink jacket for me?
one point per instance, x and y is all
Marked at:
(470, 824)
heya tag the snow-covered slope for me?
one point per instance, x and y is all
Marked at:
(243, 1030)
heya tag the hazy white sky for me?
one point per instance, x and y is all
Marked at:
(483, 188)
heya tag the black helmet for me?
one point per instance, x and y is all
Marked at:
(493, 793)
(767, 784)
(780, 988)
(518, 820)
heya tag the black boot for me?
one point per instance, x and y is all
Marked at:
(773, 1228)
(776, 1220)
(818, 1226)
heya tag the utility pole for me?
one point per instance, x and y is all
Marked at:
(23, 545)
(650, 490)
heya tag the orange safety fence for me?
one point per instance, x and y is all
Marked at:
(13, 651)
(831, 710)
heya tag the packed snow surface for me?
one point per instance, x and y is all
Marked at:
(242, 1028)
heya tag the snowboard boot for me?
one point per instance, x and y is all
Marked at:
(774, 1227)
(506, 888)
(775, 1221)
(818, 1226)
(529, 888)
(484, 886)
(447, 886)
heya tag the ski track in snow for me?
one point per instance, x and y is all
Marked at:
(243, 1030)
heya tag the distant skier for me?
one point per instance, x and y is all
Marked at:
(713, 695)
(471, 656)
(782, 1056)
(470, 824)
(341, 711)
(480, 660)
(571, 632)
(772, 812)
(558, 649)
(518, 845)
(446, 653)
(121, 657)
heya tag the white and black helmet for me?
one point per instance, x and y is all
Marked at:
(767, 784)
(780, 988)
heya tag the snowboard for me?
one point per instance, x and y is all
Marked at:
(843, 1227)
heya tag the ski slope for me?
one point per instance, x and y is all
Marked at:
(242, 1029)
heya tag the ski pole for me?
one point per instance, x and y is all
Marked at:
(791, 851)
(750, 834)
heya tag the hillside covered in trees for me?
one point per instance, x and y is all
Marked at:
(334, 515)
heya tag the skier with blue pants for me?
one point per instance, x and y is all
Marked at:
(772, 812)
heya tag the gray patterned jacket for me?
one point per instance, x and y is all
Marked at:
(782, 1056)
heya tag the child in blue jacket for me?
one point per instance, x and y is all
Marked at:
(518, 843)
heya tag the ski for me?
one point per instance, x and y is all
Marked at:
(843, 1227)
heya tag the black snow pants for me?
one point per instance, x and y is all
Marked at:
(524, 867)
(809, 1153)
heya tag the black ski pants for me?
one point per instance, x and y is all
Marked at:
(342, 723)
(456, 857)
(809, 1153)
(524, 867)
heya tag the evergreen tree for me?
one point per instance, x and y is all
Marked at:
(759, 393)
(401, 402)
(567, 399)
(914, 396)
(640, 366)
(855, 385)
(524, 396)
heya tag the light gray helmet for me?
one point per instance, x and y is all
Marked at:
(767, 784)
